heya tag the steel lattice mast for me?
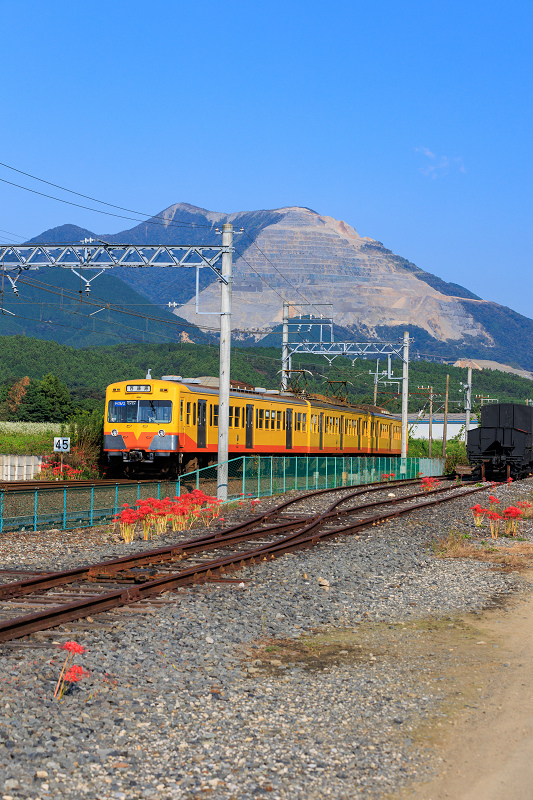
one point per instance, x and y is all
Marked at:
(96, 254)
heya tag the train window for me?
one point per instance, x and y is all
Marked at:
(188, 414)
(231, 416)
(259, 416)
(298, 420)
(243, 417)
(210, 413)
(215, 415)
(237, 416)
(284, 420)
(181, 410)
(194, 414)
(139, 411)
(304, 421)
(122, 411)
(278, 420)
(267, 418)
(155, 410)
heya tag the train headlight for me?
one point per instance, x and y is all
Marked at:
(161, 432)
(114, 432)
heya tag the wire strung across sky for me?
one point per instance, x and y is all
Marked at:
(153, 220)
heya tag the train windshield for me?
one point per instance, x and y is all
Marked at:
(139, 411)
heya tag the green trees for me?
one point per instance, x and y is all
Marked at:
(28, 400)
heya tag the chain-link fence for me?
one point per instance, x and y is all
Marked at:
(248, 476)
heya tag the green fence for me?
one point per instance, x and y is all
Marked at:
(248, 476)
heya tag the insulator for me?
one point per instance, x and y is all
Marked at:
(16, 291)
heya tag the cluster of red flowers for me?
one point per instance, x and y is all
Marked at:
(429, 483)
(155, 515)
(75, 673)
(509, 516)
(52, 471)
(253, 500)
(388, 476)
(70, 673)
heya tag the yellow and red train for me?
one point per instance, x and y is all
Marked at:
(170, 426)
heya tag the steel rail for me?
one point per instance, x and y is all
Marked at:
(214, 540)
(303, 539)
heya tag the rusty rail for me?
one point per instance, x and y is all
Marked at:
(307, 534)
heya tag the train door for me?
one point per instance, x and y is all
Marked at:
(249, 426)
(288, 431)
(321, 432)
(202, 423)
(342, 433)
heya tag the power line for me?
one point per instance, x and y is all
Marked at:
(16, 235)
(94, 199)
(69, 295)
(100, 211)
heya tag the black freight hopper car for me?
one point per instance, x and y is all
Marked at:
(502, 446)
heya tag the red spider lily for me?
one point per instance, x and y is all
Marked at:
(512, 515)
(429, 483)
(494, 522)
(509, 480)
(73, 647)
(75, 673)
(493, 499)
(478, 513)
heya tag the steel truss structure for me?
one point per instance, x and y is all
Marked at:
(351, 350)
(96, 254)
(91, 254)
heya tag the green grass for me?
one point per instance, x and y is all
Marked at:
(27, 438)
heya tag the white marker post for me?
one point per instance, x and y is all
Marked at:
(61, 445)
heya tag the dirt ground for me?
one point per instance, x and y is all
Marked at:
(486, 745)
(480, 665)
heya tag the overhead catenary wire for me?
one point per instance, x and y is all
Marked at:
(175, 223)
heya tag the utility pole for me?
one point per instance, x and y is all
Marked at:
(225, 356)
(430, 433)
(468, 403)
(445, 425)
(405, 397)
(285, 357)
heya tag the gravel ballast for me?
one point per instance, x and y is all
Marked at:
(193, 699)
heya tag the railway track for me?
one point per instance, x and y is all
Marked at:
(60, 597)
(28, 486)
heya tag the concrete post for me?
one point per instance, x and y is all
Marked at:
(405, 394)
(225, 362)
(285, 358)
(445, 425)
(468, 408)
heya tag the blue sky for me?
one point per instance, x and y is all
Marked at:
(409, 120)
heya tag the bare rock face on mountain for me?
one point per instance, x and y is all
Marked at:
(329, 262)
(300, 256)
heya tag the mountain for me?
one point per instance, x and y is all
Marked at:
(302, 256)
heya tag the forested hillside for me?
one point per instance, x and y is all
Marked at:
(53, 304)
(87, 372)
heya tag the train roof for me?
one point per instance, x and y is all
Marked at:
(209, 385)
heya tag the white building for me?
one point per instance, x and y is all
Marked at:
(419, 426)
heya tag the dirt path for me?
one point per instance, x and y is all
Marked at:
(486, 742)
